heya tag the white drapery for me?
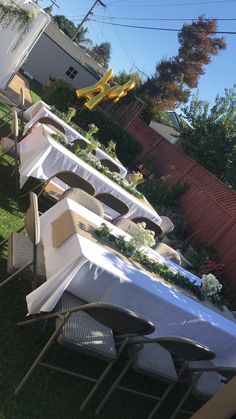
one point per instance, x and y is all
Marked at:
(15, 47)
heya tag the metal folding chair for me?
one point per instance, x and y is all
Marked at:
(90, 329)
(150, 225)
(53, 192)
(153, 357)
(25, 252)
(114, 204)
(83, 198)
(111, 166)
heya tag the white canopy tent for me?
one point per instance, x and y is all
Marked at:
(19, 31)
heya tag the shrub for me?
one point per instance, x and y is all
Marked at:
(62, 95)
(127, 147)
(212, 267)
(159, 192)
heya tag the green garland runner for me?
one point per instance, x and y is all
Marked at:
(151, 265)
(83, 154)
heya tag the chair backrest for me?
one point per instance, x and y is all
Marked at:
(15, 124)
(52, 123)
(119, 319)
(83, 198)
(111, 166)
(168, 252)
(75, 181)
(113, 202)
(150, 225)
(166, 225)
(32, 223)
(127, 225)
(81, 143)
(22, 98)
(186, 348)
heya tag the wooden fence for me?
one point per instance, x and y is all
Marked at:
(208, 205)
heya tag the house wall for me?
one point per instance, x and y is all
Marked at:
(48, 58)
(208, 204)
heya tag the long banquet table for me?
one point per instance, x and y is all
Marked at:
(71, 133)
(93, 273)
(42, 157)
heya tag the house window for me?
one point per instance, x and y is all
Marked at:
(71, 72)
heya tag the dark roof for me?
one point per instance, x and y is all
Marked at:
(76, 52)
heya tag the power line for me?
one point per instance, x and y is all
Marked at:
(161, 29)
(178, 4)
(163, 19)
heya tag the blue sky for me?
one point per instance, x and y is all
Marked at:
(133, 48)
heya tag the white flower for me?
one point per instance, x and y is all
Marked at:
(143, 237)
(210, 285)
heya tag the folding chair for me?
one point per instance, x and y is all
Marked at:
(150, 225)
(25, 252)
(83, 198)
(111, 166)
(52, 124)
(168, 252)
(166, 225)
(127, 225)
(90, 329)
(153, 358)
(53, 192)
(112, 206)
(205, 381)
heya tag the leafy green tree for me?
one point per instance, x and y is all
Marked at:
(69, 28)
(174, 77)
(102, 53)
(210, 135)
(124, 76)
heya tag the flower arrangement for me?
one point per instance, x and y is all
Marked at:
(92, 129)
(111, 148)
(88, 158)
(136, 178)
(213, 268)
(93, 145)
(70, 114)
(143, 237)
(210, 286)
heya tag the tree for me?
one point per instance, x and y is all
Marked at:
(69, 28)
(210, 135)
(171, 83)
(124, 76)
(102, 53)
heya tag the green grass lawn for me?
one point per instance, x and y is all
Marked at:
(52, 395)
(36, 89)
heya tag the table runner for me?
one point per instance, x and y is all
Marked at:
(39, 110)
(94, 274)
(42, 157)
(70, 223)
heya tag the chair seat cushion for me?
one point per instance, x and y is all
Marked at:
(208, 385)
(155, 361)
(83, 333)
(20, 252)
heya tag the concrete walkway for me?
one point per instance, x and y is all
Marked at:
(13, 90)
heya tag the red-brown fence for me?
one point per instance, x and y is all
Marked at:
(209, 205)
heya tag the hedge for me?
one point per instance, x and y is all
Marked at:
(62, 95)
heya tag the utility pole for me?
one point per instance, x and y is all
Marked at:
(86, 17)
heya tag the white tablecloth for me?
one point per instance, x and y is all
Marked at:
(42, 157)
(71, 133)
(29, 112)
(93, 273)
